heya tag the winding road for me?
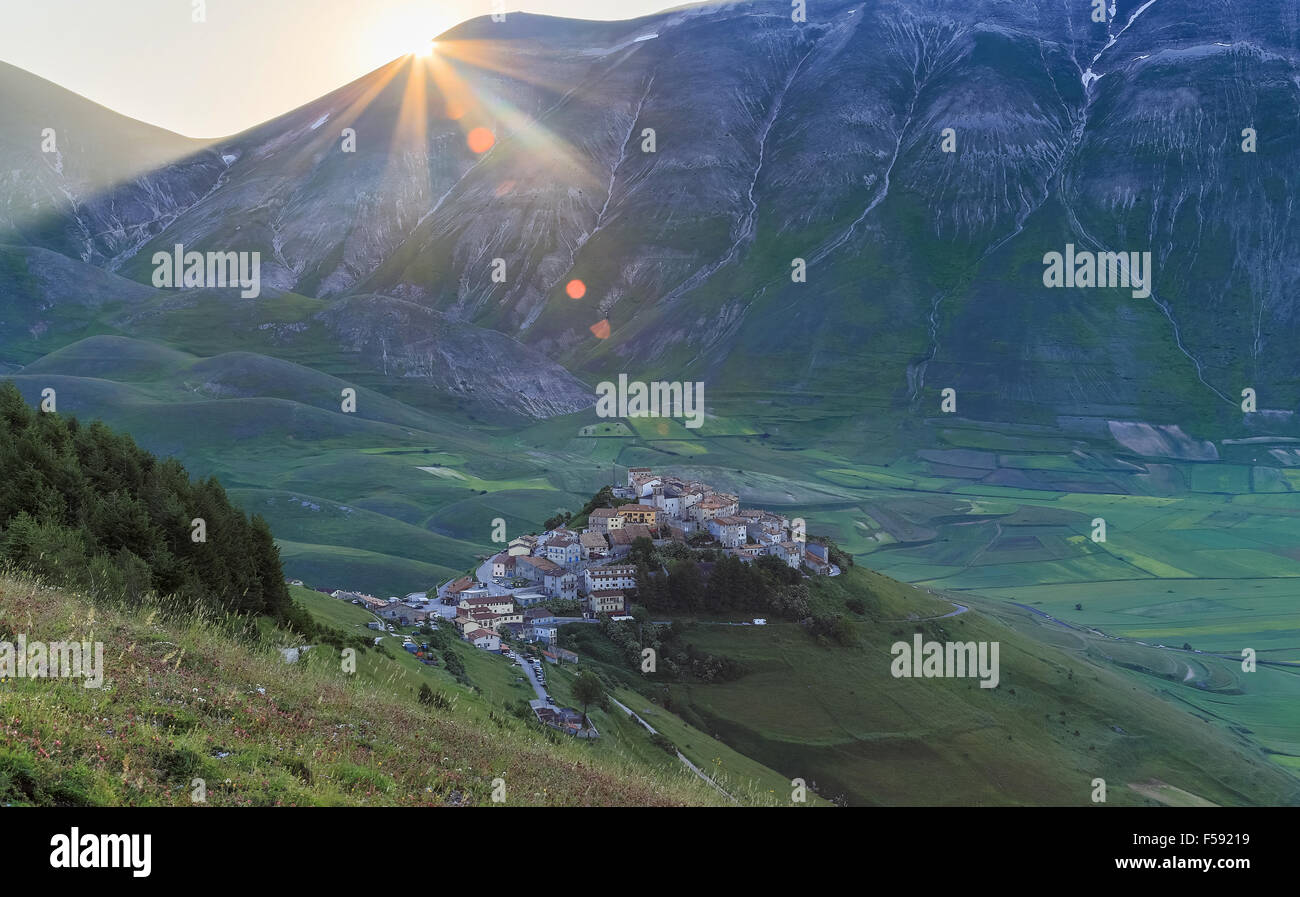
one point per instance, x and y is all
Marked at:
(680, 756)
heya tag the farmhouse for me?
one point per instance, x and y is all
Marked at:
(503, 565)
(451, 591)
(553, 579)
(529, 597)
(521, 546)
(594, 546)
(716, 505)
(541, 632)
(563, 548)
(817, 557)
(484, 638)
(538, 615)
(497, 604)
(730, 531)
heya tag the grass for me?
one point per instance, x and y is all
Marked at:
(182, 701)
(836, 717)
(743, 778)
(496, 681)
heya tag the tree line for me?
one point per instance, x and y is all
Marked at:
(85, 507)
(766, 585)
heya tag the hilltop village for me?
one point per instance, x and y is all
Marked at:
(588, 571)
(540, 582)
(590, 566)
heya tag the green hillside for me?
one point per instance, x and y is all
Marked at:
(183, 700)
(496, 687)
(1059, 717)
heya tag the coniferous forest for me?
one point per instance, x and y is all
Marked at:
(85, 507)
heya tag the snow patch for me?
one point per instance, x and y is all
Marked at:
(320, 121)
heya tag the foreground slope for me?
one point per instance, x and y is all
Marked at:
(182, 700)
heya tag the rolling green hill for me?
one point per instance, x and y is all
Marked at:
(496, 684)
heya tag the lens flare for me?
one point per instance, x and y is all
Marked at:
(480, 140)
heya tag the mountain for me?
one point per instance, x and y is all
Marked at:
(83, 180)
(774, 141)
(821, 141)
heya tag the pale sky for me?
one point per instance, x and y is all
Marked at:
(249, 61)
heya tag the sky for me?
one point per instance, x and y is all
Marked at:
(248, 61)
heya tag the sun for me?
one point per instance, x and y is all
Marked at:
(423, 49)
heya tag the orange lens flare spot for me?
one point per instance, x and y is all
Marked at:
(480, 140)
(576, 289)
(601, 329)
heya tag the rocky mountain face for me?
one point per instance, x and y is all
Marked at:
(407, 340)
(84, 181)
(920, 157)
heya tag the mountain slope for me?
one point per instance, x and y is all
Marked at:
(85, 181)
(824, 142)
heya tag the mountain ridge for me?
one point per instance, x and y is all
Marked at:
(920, 260)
